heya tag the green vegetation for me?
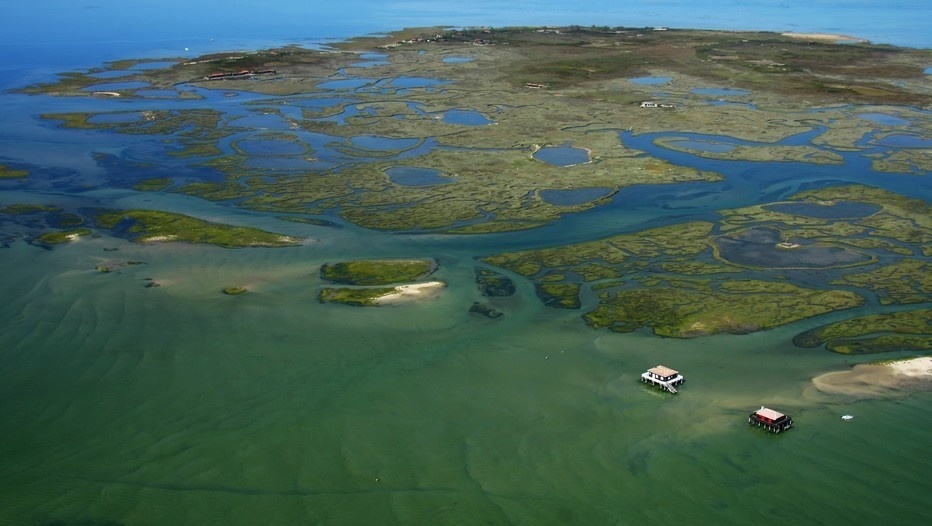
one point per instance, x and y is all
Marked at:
(147, 226)
(115, 265)
(377, 271)
(153, 185)
(357, 297)
(495, 184)
(55, 238)
(23, 209)
(896, 331)
(233, 291)
(907, 281)
(493, 283)
(12, 173)
(651, 278)
(559, 295)
(735, 307)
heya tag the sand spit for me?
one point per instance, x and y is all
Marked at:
(824, 37)
(878, 380)
(411, 292)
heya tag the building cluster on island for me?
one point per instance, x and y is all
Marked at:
(669, 379)
(652, 104)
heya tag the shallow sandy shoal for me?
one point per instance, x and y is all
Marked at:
(884, 379)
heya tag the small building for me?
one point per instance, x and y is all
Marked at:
(663, 377)
(773, 421)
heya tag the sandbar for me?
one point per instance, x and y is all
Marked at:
(410, 292)
(824, 37)
(879, 379)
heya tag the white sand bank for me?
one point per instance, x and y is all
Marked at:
(414, 291)
(875, 380)
(824, 37)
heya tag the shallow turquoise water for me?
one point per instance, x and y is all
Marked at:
(180, 404)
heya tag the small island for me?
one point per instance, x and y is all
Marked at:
(379, 282)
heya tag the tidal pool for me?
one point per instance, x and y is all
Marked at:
(757, 247)
(415, 176)
(650, 81)
(574, 196)
(720, 92)
(371, 60)
(839, 210)
(562, 155)
(457, 60)
(465, 117)
(374, 142)
(883, 118)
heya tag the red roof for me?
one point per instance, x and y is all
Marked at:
(769, 414)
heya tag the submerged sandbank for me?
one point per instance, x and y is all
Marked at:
(879, 379)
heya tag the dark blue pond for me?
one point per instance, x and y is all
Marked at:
(562, 155)
(574, 196)
(837, 210)
(414, 176)
(465, 117)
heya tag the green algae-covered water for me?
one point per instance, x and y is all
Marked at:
(127, 404)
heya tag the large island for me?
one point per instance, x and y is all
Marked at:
(479, 131)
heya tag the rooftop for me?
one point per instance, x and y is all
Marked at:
(769, 413)
(661, 370)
